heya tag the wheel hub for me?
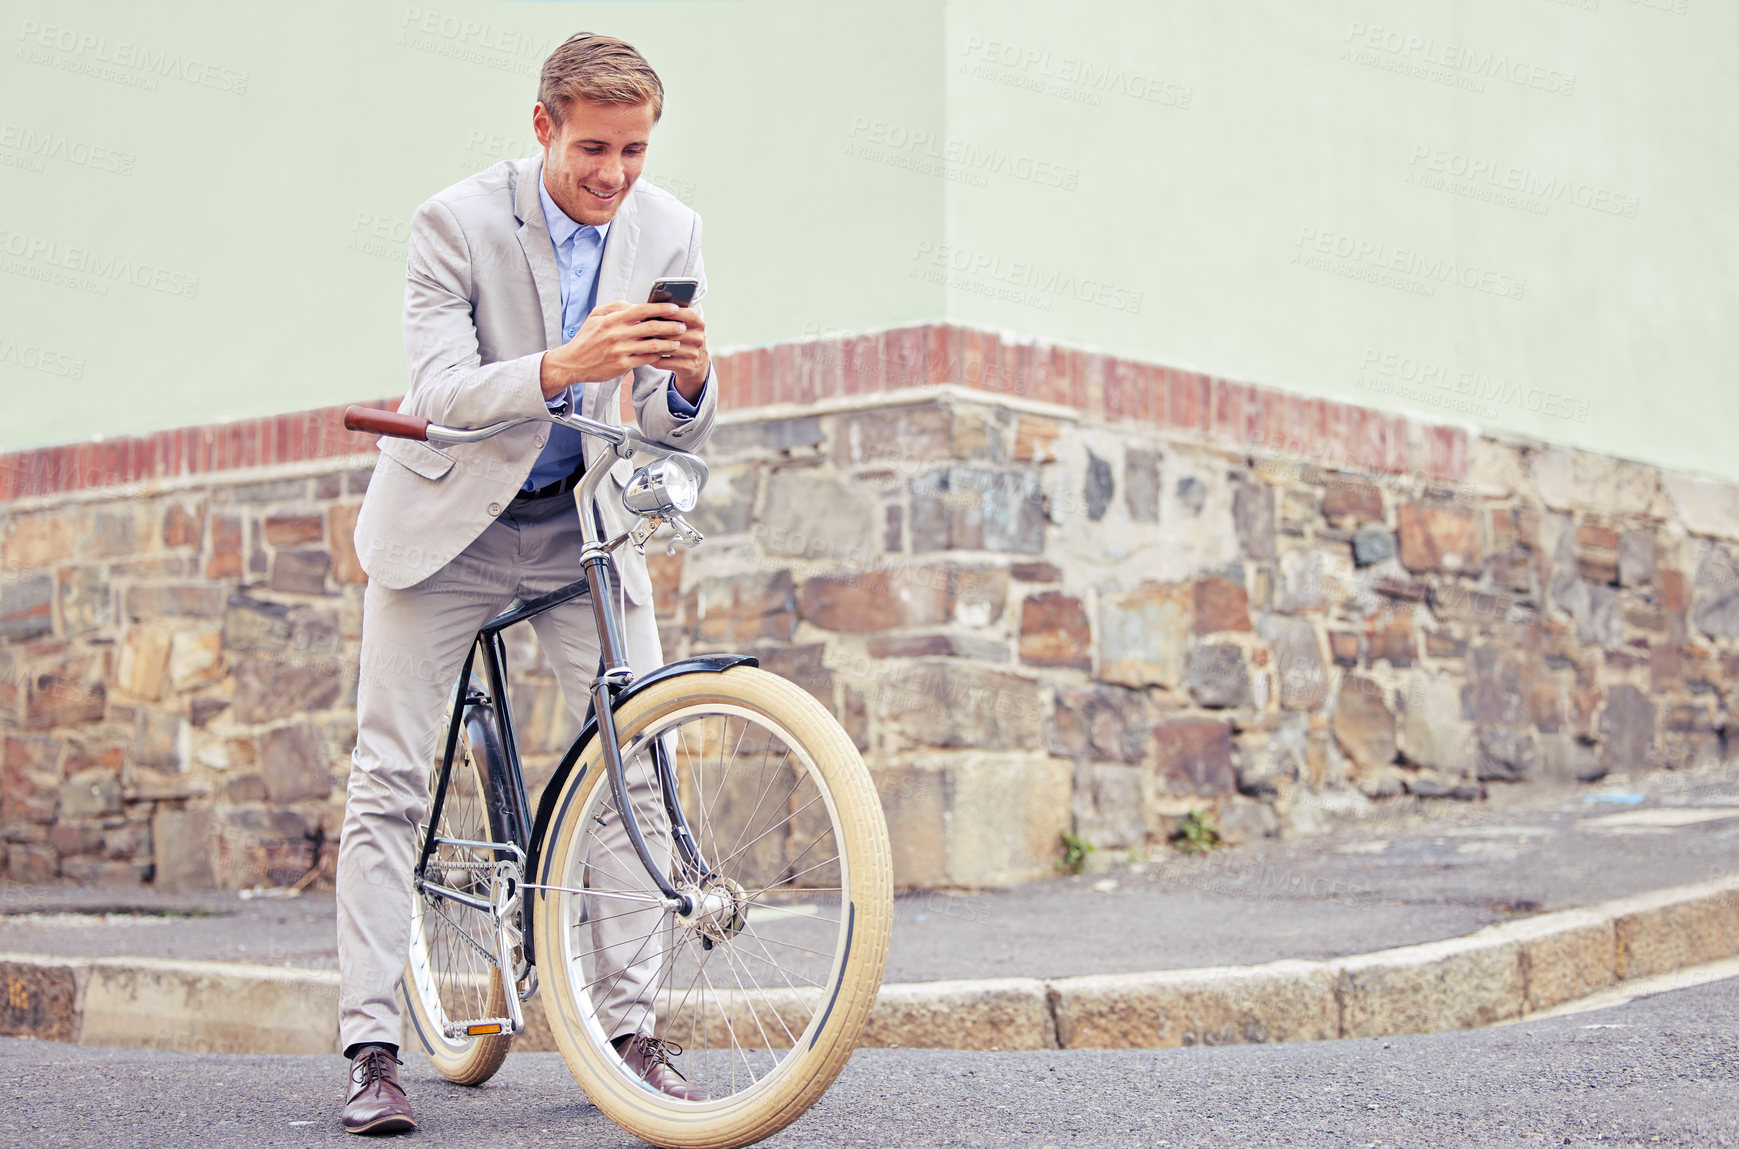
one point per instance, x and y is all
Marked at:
(718, 908)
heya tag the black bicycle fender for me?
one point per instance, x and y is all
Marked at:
(699, 664)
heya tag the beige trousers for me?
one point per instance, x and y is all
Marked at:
(413, 643)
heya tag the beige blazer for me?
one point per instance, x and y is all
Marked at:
(482, 305)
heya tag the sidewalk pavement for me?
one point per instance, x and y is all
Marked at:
(1436, 916)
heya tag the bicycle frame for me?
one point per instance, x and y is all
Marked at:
(507, 801)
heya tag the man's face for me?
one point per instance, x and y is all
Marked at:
(594, 157)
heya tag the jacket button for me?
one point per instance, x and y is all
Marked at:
(494, 509)
(537, 442)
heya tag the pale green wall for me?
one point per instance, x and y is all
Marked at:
(838, 151)
(350, 119)
(1630, 320)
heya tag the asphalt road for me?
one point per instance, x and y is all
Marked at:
(1658, 1071)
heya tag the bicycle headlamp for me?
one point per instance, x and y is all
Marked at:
(663, 485)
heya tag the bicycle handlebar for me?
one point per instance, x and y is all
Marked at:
(377, 422)
(623, 443)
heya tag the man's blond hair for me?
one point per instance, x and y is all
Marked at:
(599, 69)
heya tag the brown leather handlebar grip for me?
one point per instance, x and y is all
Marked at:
(377, 422)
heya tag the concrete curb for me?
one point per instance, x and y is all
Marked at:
(185, 1006)
(1497, 974)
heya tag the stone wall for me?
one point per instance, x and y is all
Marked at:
(1045, 591)
(1035, 622)
(178, 677)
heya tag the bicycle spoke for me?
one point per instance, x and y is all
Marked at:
(638, 958)
(750, 820)
(770, 829)
(632, 864)
(619, 974)
(608, 917)
(721, 790)
(788, 945)
(768, 958)
(800, 873)
(699, 966)
(783, 915)
(578, 892)
(435, 904)
(730, 1030)
(766, 1041)
(804, 851)
(799, 889)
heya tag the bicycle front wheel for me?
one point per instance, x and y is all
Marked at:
(757, 994)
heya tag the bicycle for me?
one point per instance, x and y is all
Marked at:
(755, 867)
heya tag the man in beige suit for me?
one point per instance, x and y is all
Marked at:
(518, 284)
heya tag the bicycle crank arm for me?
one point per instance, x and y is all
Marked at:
(504, 969)
(505, 896)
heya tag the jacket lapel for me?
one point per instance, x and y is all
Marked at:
(534, 240)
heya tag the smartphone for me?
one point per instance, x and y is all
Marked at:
(677, 291)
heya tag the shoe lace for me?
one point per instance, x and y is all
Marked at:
(656, 1051)
(374, 1065)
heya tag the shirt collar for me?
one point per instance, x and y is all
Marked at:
(561, 228)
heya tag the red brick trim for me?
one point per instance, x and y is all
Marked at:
(294, 438)
(1237, 415)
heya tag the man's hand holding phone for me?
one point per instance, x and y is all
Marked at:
(618, 337)
(690, 361)
(614, 339)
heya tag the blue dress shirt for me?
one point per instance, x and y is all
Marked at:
(578, 249)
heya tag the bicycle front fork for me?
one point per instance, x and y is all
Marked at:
(614, 676)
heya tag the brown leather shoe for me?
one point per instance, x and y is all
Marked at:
(649, 1058)
(377, 1101)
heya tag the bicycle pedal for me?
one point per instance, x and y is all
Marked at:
(482, 1027)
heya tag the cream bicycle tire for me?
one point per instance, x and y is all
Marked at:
(820, 1050)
